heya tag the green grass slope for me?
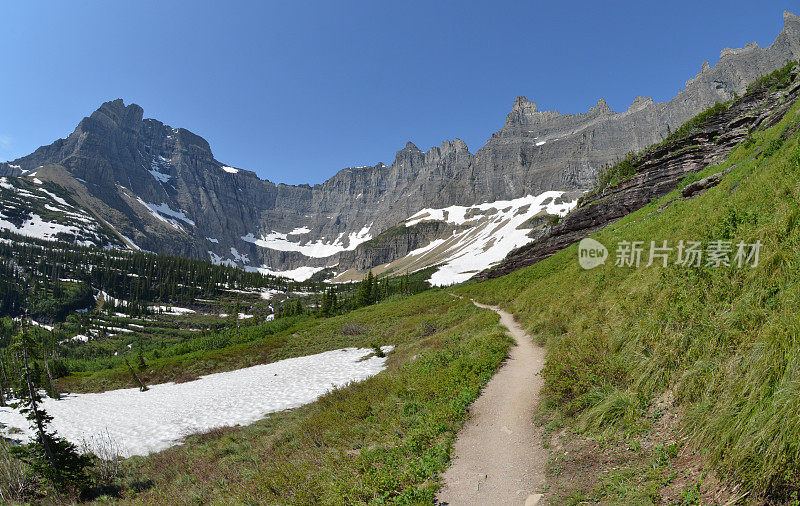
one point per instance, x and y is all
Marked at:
(724, 341)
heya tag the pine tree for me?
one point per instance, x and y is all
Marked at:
(404, 282)
(140, 363)
(236, 316)
(3, 380)
(48, 455)
(364, 294)
(325, 305)
(374, 290)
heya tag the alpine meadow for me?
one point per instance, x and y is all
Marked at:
(590, 308)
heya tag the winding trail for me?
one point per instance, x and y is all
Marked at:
(498, 458)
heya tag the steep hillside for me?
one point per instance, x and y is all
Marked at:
(163, 189)
(33, 208)
(676, 380)
(629, 185)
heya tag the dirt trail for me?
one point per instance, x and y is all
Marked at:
(498, 456)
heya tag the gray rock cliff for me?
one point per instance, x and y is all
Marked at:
(163, 189)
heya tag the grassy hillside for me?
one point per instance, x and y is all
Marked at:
(723, 342)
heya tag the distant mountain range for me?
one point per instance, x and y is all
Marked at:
(144, 184)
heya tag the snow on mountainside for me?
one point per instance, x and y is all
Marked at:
(29, 208)
(482, 235)
(316, 249)
(163, 188)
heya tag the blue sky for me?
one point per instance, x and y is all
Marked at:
(298, 90)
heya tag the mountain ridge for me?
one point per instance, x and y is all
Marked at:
(170, 194)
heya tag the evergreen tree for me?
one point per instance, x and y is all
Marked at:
(48, 455)
(364, 294)
(140, 363)
(374, 290)
(325, 305)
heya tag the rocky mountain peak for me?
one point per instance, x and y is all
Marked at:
(192, 142)
(640, 103)
(750, 46)
(114, 114)
(524, 114)
(456, 145)
(601, 107)
(409, 157)
(521, 103)
(451, 150)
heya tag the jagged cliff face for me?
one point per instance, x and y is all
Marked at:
(162, 189)
(544, 150)
(660, 170)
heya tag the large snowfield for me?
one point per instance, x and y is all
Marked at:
(140, 423)
(491, 231)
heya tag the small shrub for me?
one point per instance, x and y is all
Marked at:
(426, 329)
(612, 175)
(352, 329)
(108, 457)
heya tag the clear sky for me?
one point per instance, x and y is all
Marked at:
(296, 91)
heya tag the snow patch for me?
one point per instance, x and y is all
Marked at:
(239, 257)
(37, 227)
(300, 274)
(218, 260)
(166, 214)
(146, 422)
(268, 293)
(318, 249)
(490, 231)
